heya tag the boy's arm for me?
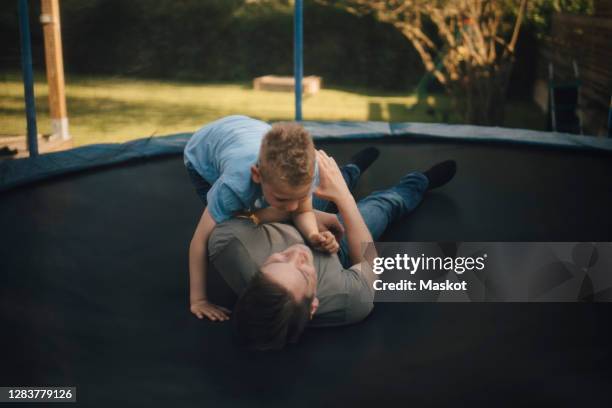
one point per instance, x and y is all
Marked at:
(271, 214)
(304, 218)
(198, 257)
(306, 222)
(325, 221)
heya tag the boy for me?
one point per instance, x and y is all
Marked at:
(241, 165)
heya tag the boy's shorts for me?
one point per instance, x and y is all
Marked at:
(202, 186)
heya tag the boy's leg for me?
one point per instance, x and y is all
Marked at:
(202, 186)
(381, 208)
(351, 174)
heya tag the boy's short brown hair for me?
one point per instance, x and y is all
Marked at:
(287, 154)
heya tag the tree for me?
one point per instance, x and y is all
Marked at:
(471, 55)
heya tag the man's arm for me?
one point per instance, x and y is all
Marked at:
(198, 257)
(334, 188)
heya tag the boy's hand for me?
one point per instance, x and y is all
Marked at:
(324, 241)
(329, 222)
(215, 313)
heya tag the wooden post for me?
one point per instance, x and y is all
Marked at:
(50, 20)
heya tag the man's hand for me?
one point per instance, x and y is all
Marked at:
(203, 308)
(329, 222)
(332, 186)
(324, 241)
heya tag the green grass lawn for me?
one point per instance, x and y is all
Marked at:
(109, 109)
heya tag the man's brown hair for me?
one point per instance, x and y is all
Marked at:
(287, 154)
(267, 316)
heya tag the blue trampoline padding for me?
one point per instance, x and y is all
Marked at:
(376, 130)
(14, 173)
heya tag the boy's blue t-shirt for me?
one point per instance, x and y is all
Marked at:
(223, 152)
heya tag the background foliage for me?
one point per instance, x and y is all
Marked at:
(217, 40)
(236, 40)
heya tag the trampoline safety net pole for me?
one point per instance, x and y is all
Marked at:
(28, 77)
(298, 61)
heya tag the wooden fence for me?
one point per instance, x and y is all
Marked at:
(588, 41)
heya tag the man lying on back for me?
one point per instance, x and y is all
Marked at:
(283, 286)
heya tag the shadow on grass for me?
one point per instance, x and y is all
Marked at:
(398, 112)
(375, 111)
(370, 92)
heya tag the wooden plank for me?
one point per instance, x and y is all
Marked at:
(310, 84)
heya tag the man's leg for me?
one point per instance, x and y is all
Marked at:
(381, 208)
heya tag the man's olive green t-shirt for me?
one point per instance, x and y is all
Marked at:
(238, 247)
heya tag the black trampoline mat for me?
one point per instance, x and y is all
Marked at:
(94, 293)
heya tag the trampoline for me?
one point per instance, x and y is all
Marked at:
(94, 291)
(94, 278)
